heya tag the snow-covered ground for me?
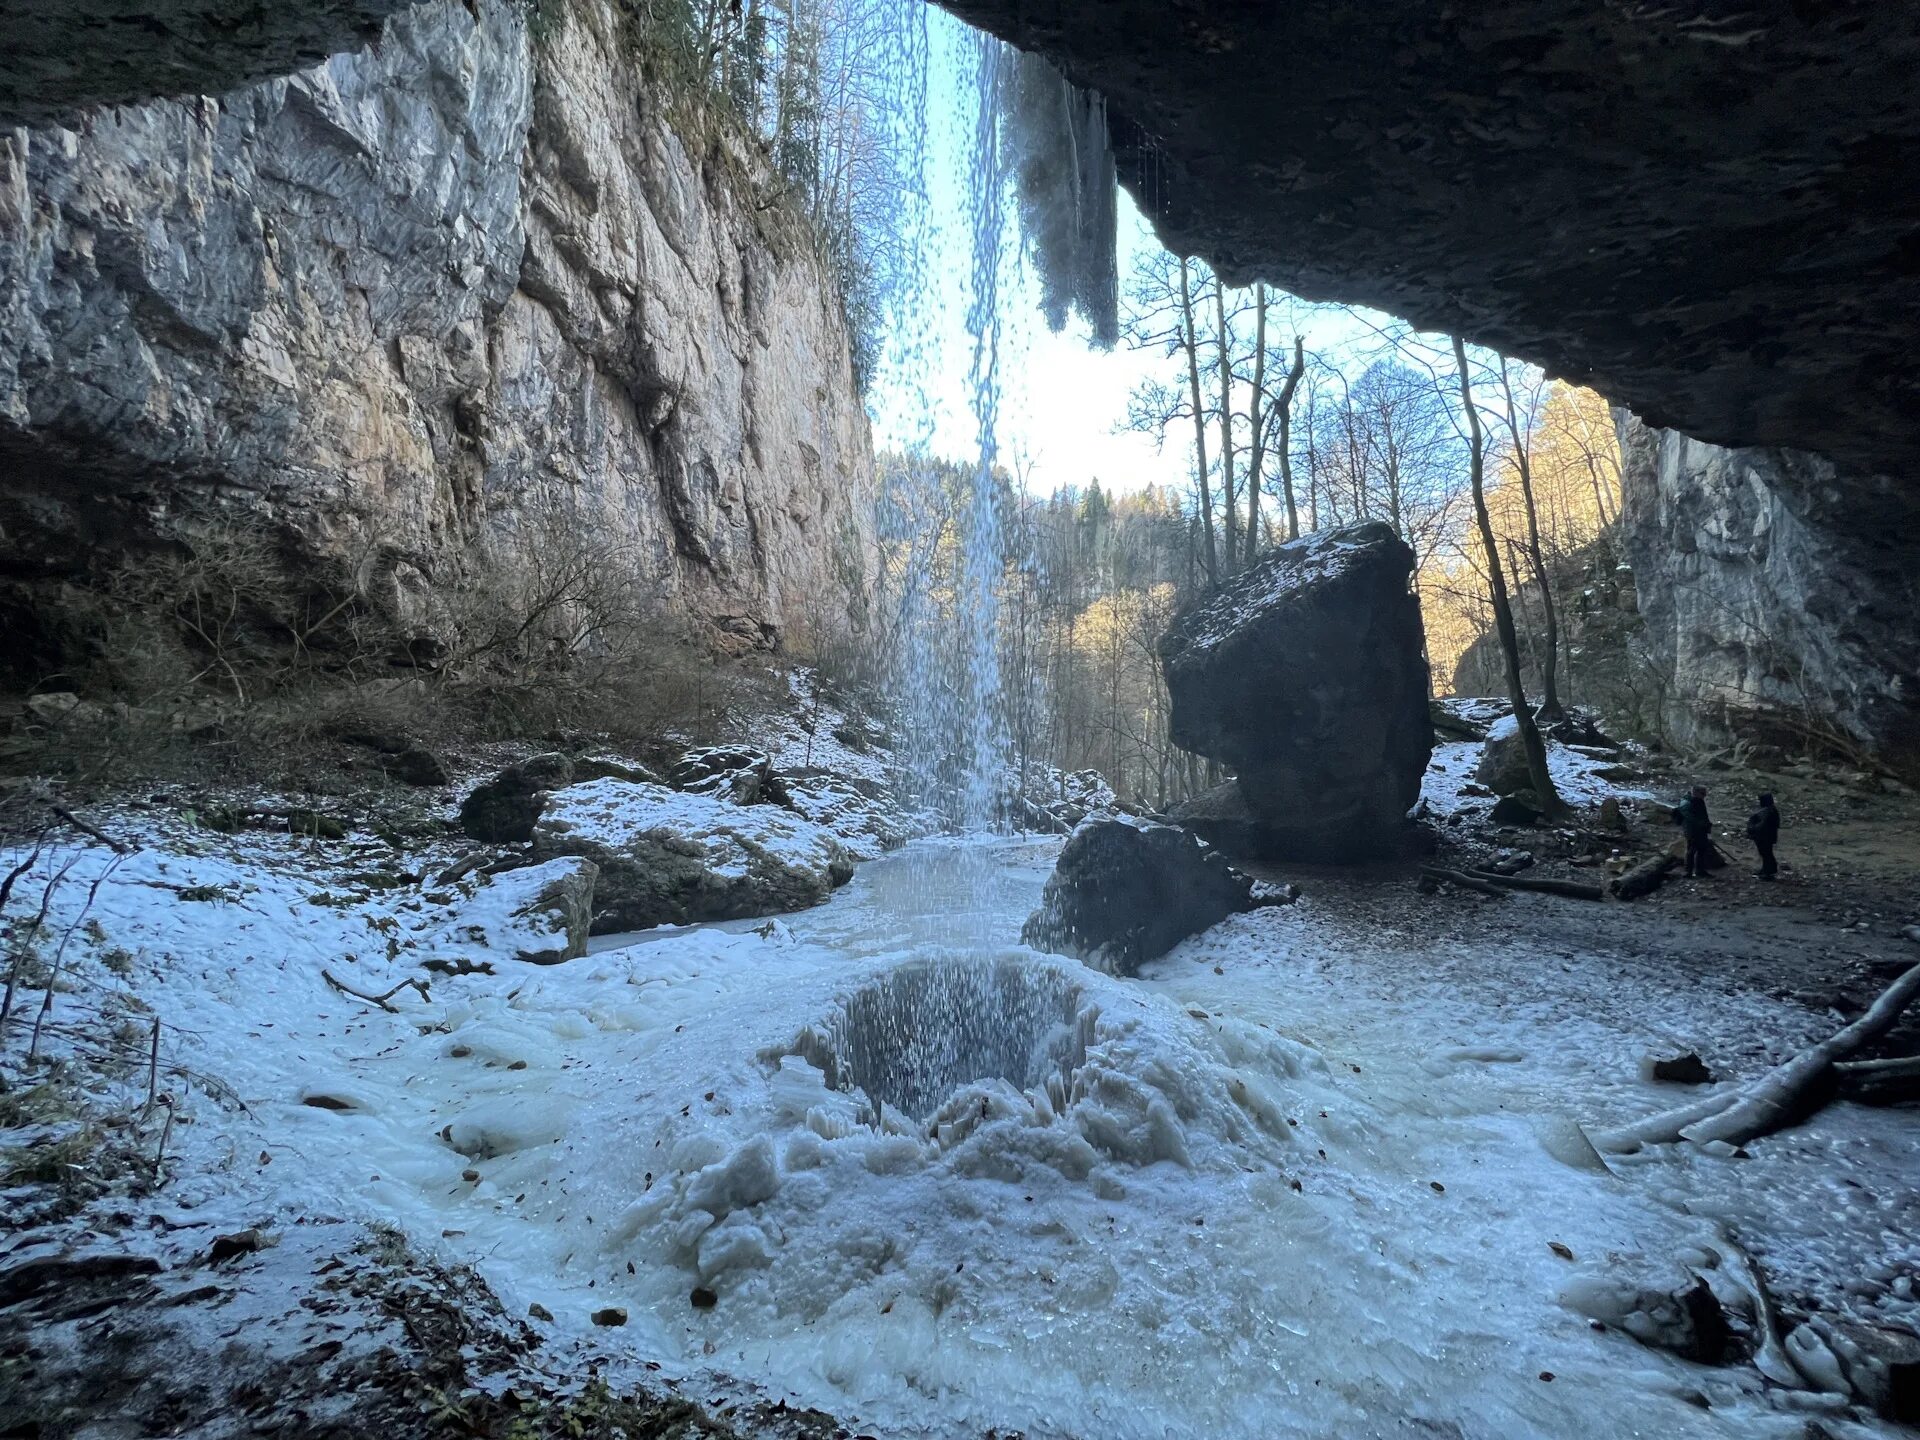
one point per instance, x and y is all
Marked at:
(1300, 1179)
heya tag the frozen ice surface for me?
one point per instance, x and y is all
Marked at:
(1302, 1178)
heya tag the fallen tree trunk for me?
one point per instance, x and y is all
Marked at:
(1879, 1082)
(1663, 1128)
(1463, 880)
(1544, 885)
(1491, 882)
(1786, 1094)
(1792, 1091)
(1643, 879)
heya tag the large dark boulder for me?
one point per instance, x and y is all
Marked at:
(503, 810)
(1306, 675)
(1126, 891)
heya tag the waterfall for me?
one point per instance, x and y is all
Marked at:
(1004, 151)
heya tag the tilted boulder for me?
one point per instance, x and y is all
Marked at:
(669, 858)
(1126, 891)
(1306, 675)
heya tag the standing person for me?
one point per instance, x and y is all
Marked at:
(1763, 828)
(1697, 826)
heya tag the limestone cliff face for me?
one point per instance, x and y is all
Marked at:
(1774, 589)
(471, 287)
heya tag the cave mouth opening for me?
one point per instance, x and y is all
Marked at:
(910, 1038)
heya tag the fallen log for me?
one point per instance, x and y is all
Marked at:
(1642, 879)
(1879, 1082)
(1544, 885)
(1793, 1090)
(1488, 882)
(1463, 880)
(1663, 1128)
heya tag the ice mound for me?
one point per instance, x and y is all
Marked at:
(918, 1032)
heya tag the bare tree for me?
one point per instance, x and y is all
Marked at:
(1519, 428)
(1530, 741)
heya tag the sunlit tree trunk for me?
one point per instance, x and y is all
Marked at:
(1550, 706)
(1191, 340)
(1256, 458)
(1536, 750)
(1229, 502)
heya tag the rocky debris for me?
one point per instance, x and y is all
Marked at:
(1126, 891)
(744, 776)
(667, 857)
(537, 913)
(503, 810)
(1058, 800)
(1687, 1069)
(1456, 722)
(1306, 676)
(1508, 861)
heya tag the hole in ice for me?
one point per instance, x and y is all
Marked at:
(921, 1031)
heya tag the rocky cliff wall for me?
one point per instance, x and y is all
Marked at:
(473, 288)
(1775, 592)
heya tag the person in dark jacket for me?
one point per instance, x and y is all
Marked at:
(1697, 826)
(1763, 828)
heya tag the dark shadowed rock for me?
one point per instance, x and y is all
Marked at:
(1306, 676)
(1126, 891)
(503, 811)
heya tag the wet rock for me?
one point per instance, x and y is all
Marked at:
(672, 858)
(1685, 1317)
(241, 1242)
(1306, 676)
(1520, 808)
(612, 1315)
(1222, 817)
(503, 810)
(1687, 1069)
(1508, 861)
(1610, 818)
(1126, 891)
